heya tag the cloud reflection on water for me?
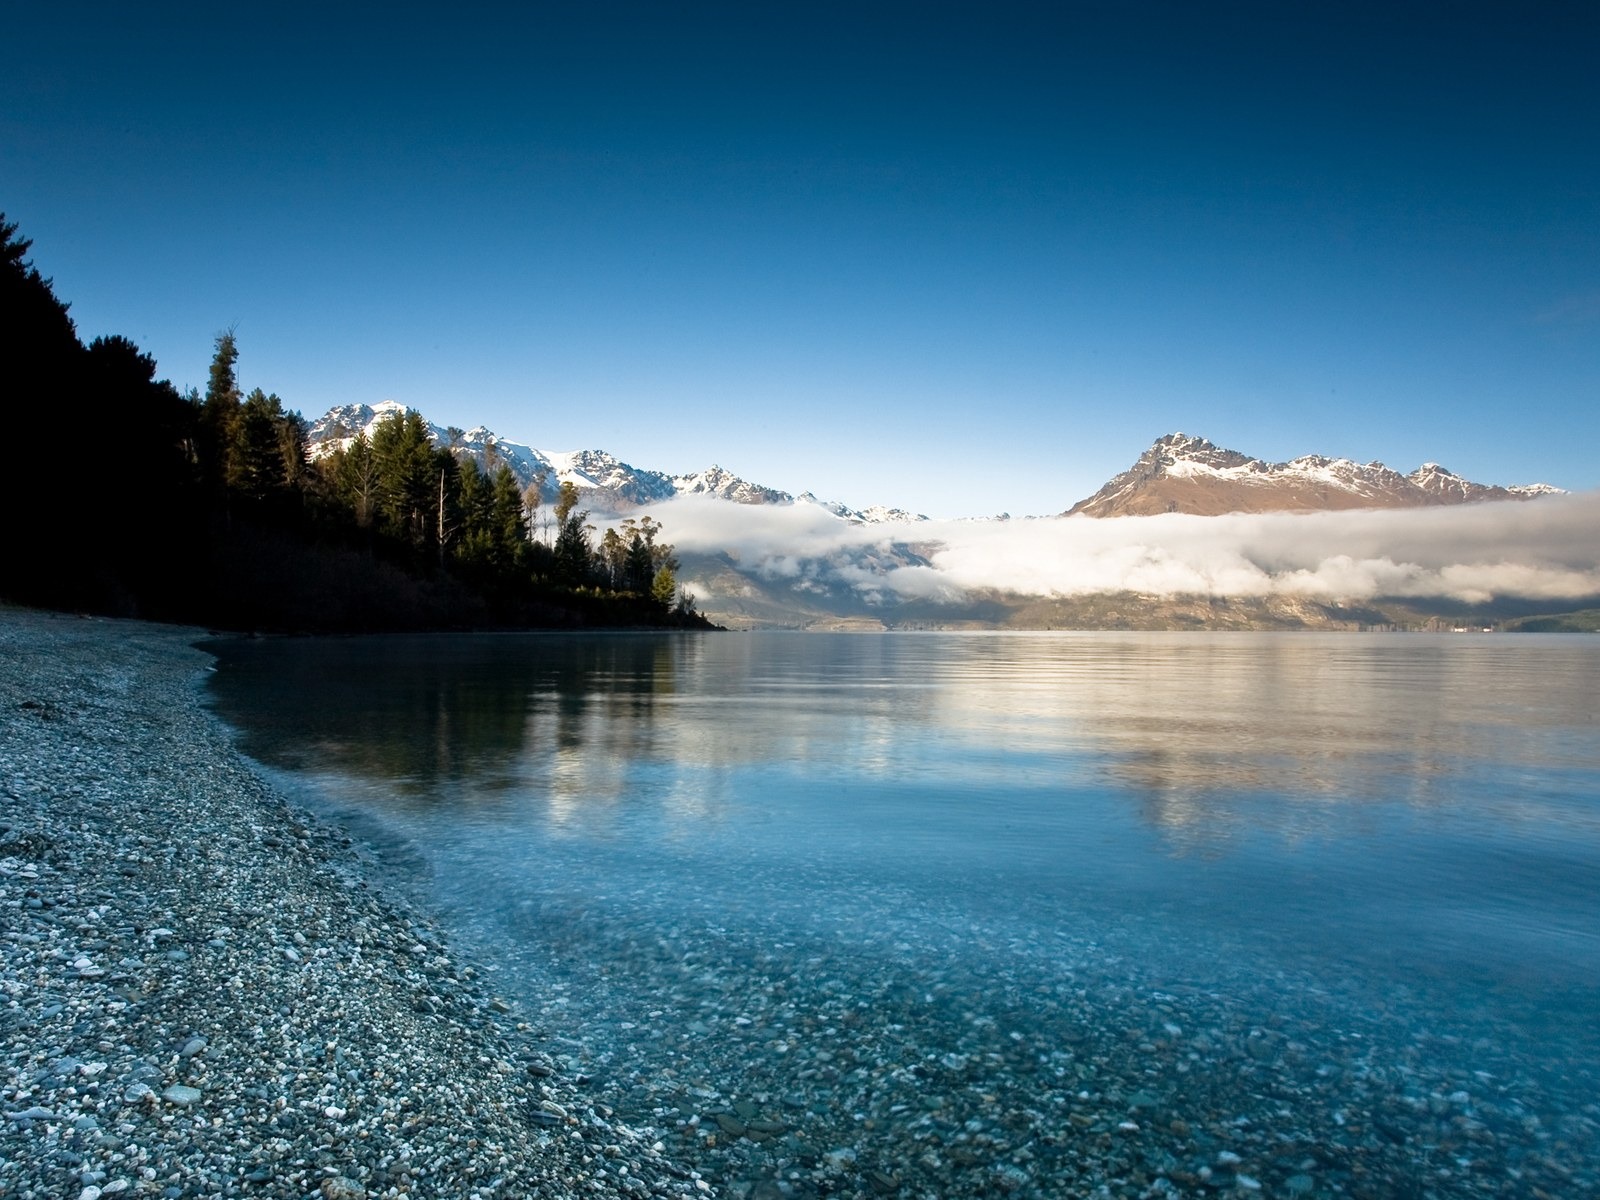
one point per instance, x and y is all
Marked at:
(1204, 734)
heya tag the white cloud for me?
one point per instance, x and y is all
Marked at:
(1544, 549)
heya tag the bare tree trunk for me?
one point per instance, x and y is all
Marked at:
(441, 518)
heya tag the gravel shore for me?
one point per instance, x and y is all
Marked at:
(204, 992)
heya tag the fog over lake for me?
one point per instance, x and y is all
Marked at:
(1542, 549)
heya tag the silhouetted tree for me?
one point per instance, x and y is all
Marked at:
(573, 559)
(638, 568)
(505, 521)
(37, 337)
(220, 413)
(256, 468)
(207, 508)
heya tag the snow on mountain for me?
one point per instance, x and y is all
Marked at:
(877, 514)
(1180, 473)
(1452, 489)
(714, 481)
(605, 483)
(604, 478)
(340, 426)
(490, 452)
(1528, 491)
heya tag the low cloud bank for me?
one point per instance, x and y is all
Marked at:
(1542, 549)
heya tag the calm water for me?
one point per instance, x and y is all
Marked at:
(952, 914)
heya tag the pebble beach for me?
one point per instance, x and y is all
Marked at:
(204, 994)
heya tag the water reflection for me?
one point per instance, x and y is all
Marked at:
(1271, 883)
(427, 713)
(1204, 736)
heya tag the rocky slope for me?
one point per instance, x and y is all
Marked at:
(1187, 474)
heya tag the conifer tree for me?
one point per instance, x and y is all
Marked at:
(256, 469)
(406, 480)
(356, 479)
(36, 329)
(574, 560)
(505, 521)
(292, 447)
(220, 413)
(472, 502)
(638, 568)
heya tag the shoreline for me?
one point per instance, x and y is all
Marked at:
(205, 992)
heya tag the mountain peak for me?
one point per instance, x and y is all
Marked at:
(1182, 473)
(725, 485)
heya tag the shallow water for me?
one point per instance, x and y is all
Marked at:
(1039, 913)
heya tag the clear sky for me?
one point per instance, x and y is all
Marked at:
(962, 258)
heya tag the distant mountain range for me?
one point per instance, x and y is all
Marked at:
(1187, 474)
(606, 484)
(1178, 473)
(841, 580)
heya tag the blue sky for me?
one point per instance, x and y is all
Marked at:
(962, 258)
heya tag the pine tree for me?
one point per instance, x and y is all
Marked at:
(406, 480)
(638, 569)
(292, 447)
(574, 560)
(36, 333)
(220, 413)
(473, 502)
(356, 479)
(222, 386)
(255, 459)
(505, 521)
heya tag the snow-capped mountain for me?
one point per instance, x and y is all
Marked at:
(1187, 474)
(606, 478)
(606, 484)
(340, 426)
(725, 485)
(876, 514)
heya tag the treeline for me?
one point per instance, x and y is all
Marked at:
(143, 501)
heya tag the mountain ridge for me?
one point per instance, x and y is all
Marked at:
(1178, 473)
(605, 483)
(1182, 473)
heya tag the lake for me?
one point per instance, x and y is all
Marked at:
(1005, 914)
